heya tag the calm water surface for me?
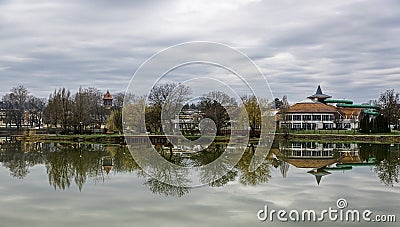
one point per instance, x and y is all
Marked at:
(55, 184)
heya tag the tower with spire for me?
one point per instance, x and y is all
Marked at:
(107, 100)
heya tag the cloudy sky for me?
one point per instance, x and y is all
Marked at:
(351, 48)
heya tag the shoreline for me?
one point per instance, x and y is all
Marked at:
(369, 138)
(120, 139)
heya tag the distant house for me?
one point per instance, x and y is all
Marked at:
(188, 121)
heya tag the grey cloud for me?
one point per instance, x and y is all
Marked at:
(350, 48)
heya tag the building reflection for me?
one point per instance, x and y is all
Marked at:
(321, 159)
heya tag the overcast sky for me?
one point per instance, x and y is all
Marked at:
(351, 48)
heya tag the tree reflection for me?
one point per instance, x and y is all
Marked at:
(161, 188)
(159, 169)
(241, 170)
(388, 170)
(69, 164)
(216, 173)
(74, 162)
(18, 160)
(259, 176)
(230, 176)
(65, 163)
(58, 170)
(387, 161)
(122, 159)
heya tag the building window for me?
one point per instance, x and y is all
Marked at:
(328, 145)
(288, 117)
(328, 126)
(316, 117)
(297, 126)
(327, 117)
(296, 145)
(316, 153)
(310, 145)
(309, 126)
(296, 117)
(306, 117)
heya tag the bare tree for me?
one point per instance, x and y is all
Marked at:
(390, 103)
(118, 100)
(16, 103)
(66, 108)
(97, 111)
(35, 108)
(168, 97)
(283, 108)
(10, 112)
(254, 113)
(213, 107)
(52, 112)
(81, 116)
(59, 109)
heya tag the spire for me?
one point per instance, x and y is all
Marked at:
(319, 91)
(319, 173)
(107, 96)
(318, 178)
(319, 96)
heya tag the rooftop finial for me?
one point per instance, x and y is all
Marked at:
(319, 90)
(319, 96)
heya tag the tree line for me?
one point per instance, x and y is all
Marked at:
(80, 111)
(63, 111)
(68, 112)
(171, 98)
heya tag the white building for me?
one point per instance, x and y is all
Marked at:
(316, 113)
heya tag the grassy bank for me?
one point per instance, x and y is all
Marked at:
(343, 132)
(372, 138)
(95, 138)
(119, 139)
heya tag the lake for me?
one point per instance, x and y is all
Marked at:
(79, 184)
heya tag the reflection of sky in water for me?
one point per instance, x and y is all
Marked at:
(123, 200)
